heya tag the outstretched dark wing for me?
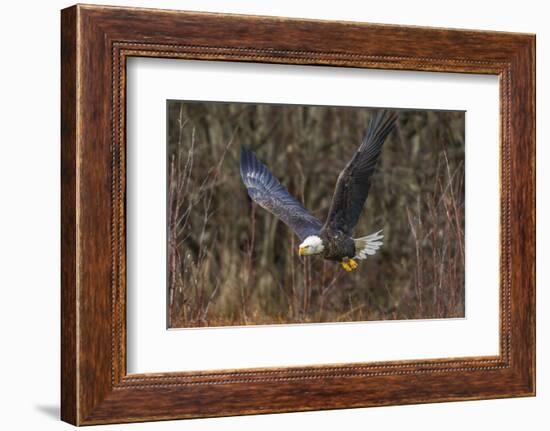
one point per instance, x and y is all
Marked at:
(353, 182)
(268, 192)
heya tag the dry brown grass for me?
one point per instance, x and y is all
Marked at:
(232, 263)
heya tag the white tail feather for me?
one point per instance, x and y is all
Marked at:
(367, 245)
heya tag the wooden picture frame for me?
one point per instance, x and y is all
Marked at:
(95, 43)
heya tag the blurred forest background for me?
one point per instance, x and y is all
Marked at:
(230, 262)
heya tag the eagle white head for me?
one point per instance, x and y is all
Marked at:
(311, 245)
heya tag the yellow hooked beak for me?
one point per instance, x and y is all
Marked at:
(301, 251)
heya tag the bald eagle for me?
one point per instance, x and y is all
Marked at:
(332, 240)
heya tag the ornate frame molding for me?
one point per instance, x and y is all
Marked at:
(96, 41)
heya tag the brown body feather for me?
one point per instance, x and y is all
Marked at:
(337, 244)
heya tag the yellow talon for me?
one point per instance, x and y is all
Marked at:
(349, 265)
(346, 266)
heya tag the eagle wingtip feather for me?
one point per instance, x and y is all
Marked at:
(247, 160)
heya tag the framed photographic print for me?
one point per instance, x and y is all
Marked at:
(264, 214)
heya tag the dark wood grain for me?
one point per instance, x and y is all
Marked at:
(69, 398)
(96, 41)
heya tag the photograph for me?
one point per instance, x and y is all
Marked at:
(298, 214)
